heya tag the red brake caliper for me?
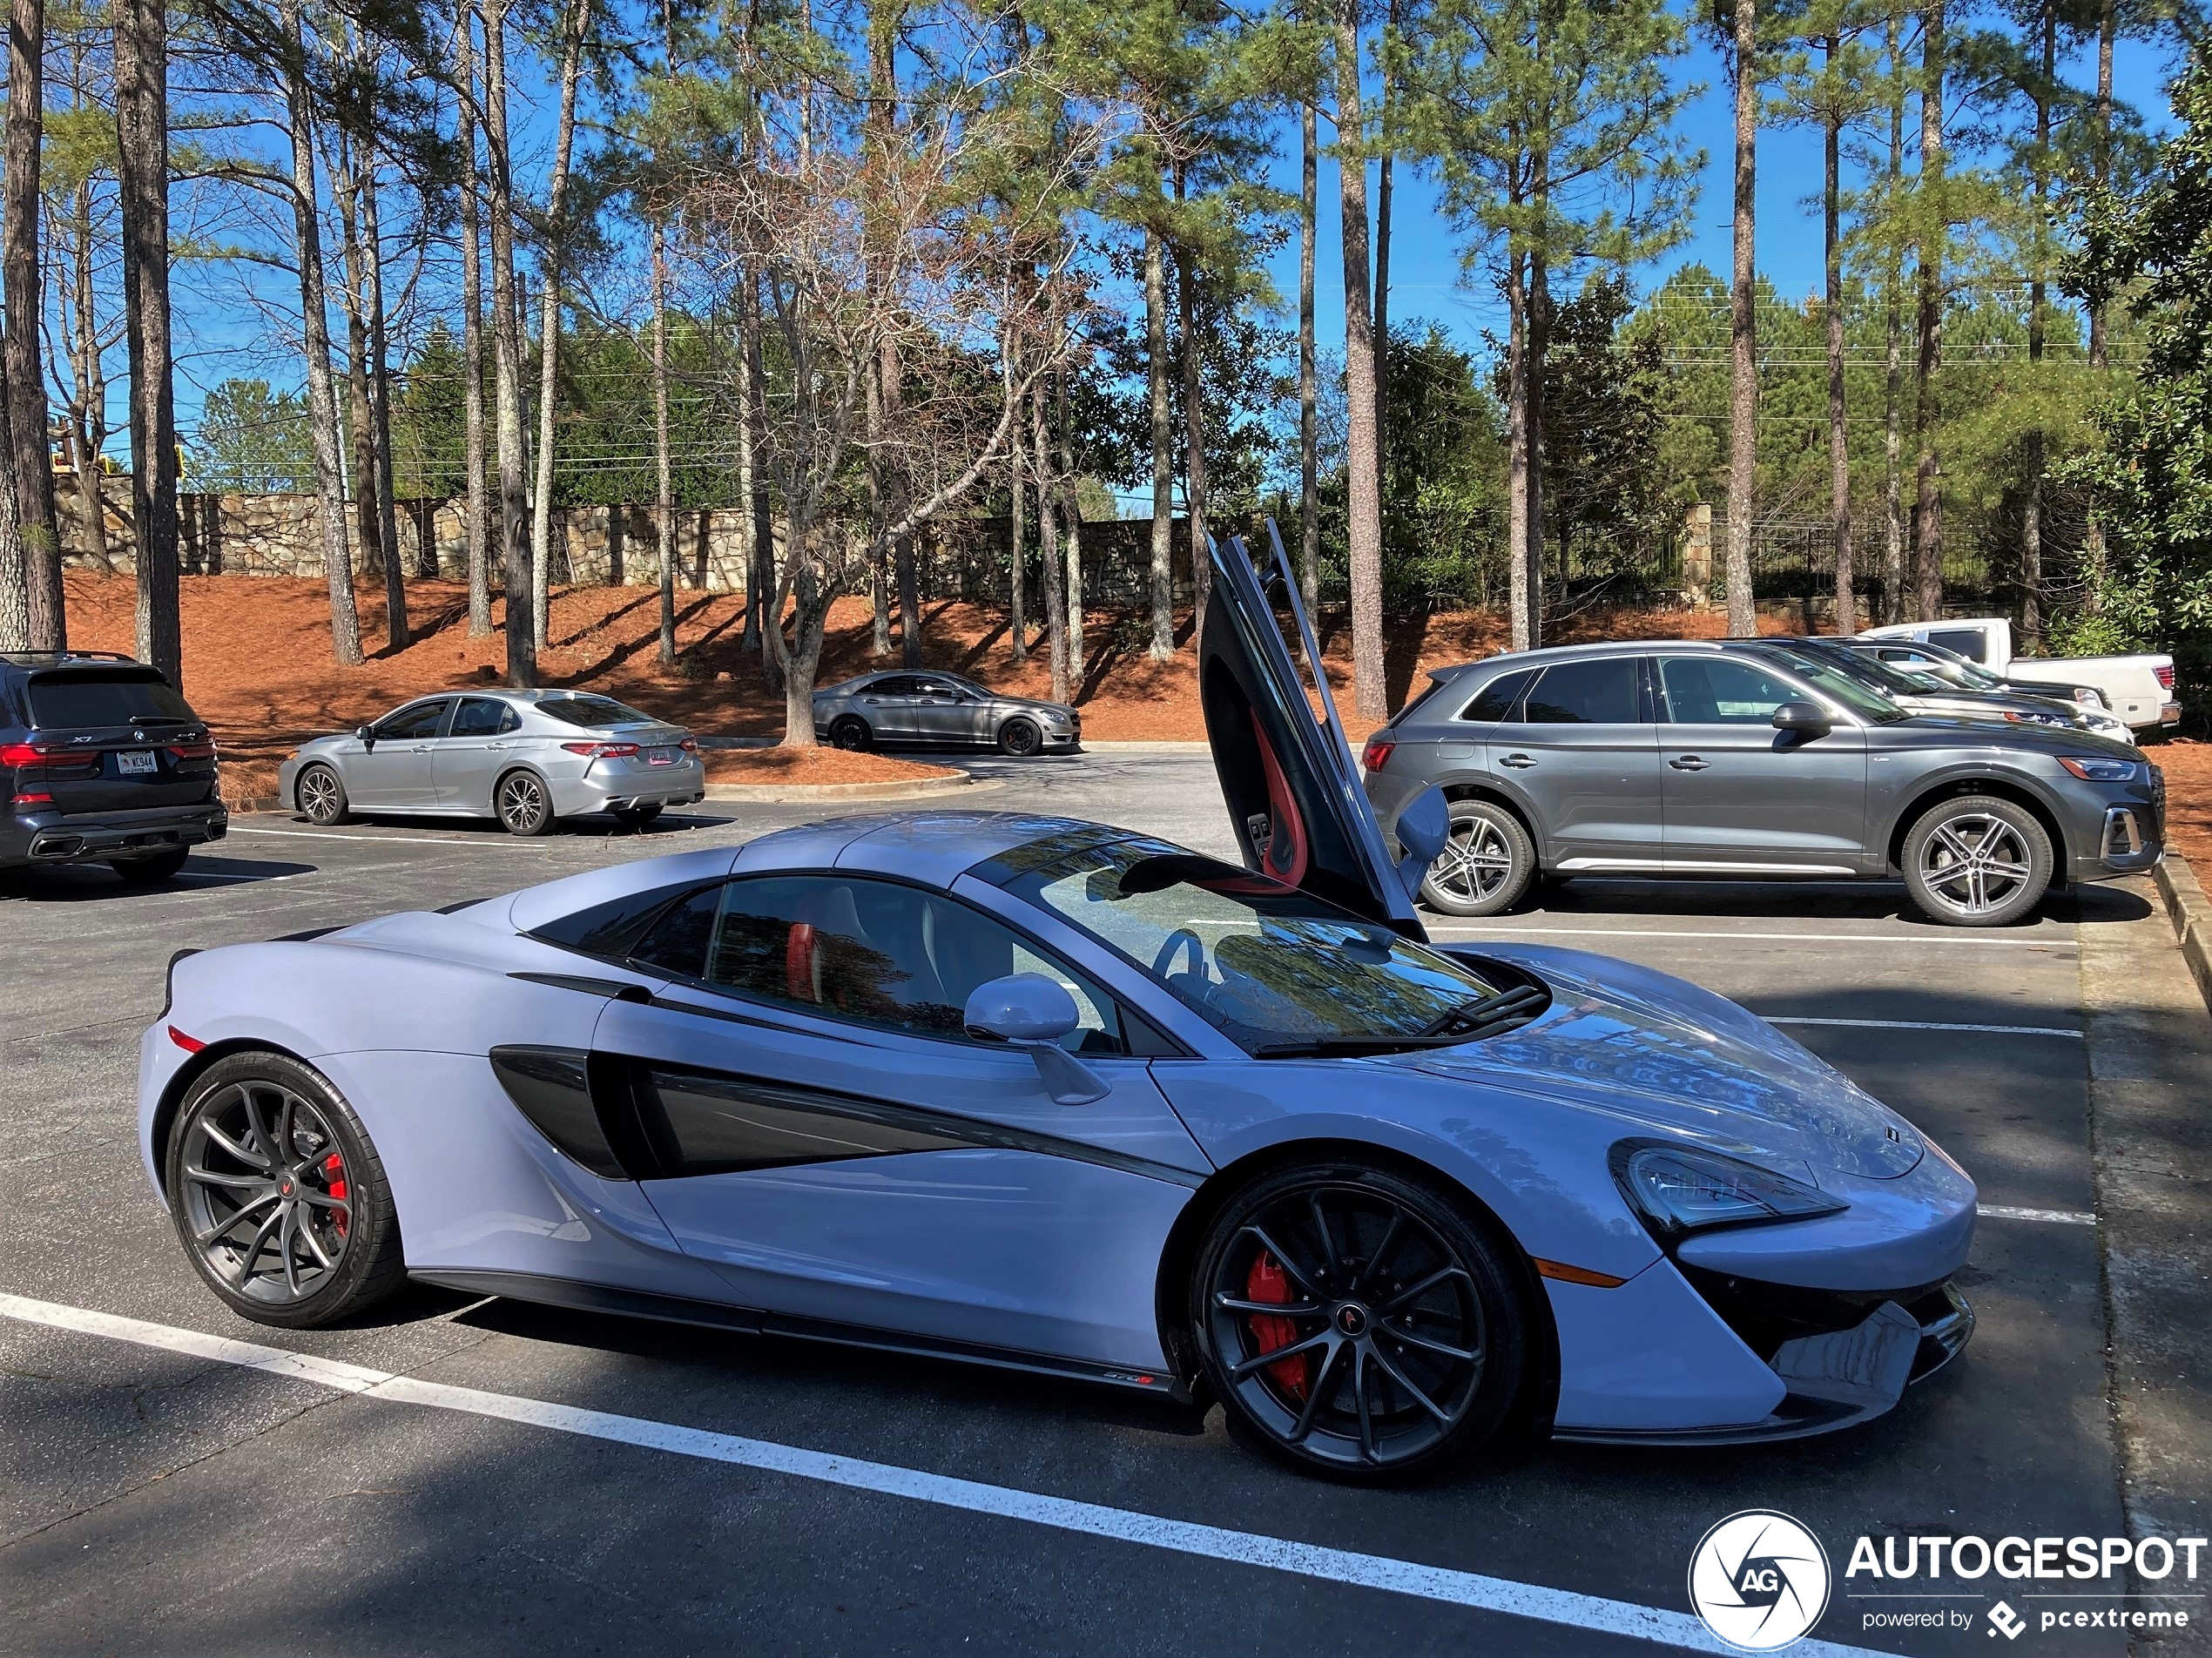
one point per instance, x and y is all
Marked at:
(334, 1174)
(1268, 1282)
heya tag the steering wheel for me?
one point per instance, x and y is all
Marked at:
(1181, 939)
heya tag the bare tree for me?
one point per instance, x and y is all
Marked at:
(19, 262)
(576, 25)
(507, 356)
(477, 530)
(1156, 374)
(1363, 453)
(1742, 332)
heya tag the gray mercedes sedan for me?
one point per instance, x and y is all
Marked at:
(1753, 761)
(527, 758)
(940, 709)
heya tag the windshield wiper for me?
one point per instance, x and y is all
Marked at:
(1470, 1020)
(1481, 1010)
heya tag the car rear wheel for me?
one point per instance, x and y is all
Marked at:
(852, 732)
(1976, 860)
(1488, 865)
(321, 796)
(522, 803)
(157, 867)
(1359, 1323)
(279, 1197)
(1021, 737)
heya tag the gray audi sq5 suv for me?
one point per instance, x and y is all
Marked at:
(1740, 759)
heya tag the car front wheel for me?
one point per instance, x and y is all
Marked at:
(1021, 737)
(1359, 1323)
(852, 733)
(1977, 860)
(279, 1197)
(320, 796)
(522, 803)
(1488, 865)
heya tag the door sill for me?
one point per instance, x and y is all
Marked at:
(1684, 866)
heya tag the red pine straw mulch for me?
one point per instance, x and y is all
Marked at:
(2188, 765)
(787, 768)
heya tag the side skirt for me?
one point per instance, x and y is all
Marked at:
(637, 1304)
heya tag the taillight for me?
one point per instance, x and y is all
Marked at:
(601, 750)
(690, 745)
(2165, 676)
(205, 751)
(1377, 754)
(15, 756)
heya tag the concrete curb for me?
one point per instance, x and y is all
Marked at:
(256, 803)
(769, 793)
(2191, 914)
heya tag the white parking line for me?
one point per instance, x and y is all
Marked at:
(1928, 1024)
(381, 840)
(2055, 1217)
(1930, 937)
(1469, 1589)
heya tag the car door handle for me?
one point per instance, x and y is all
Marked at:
(1516, 761)
(1688, 763)
(419, 748)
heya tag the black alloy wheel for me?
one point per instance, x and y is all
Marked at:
(277, 1196)
(320, 796)
(524, 806)
(1021, 737)
(1357, 1323)
(154, 866)
(852, 733)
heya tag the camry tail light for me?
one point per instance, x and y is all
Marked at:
(1377, 752)
(690, 745)
(601, 750)
(2165, 676)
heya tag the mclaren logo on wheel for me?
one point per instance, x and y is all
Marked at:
(1760, 1580)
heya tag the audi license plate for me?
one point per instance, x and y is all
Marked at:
(662, 756)
(132, 761)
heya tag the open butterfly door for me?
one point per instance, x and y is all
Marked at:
(1293, 789)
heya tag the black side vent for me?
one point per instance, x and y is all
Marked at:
(550, 1087)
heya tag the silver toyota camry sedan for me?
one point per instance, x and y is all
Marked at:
(527, 758)
(940, 709)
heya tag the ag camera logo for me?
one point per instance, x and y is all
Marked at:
(1760, 1580)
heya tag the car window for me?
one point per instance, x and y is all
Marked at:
(1599, 691)
(1265, 963)
(616, 928)
(1718, 690)
(592, 713)
(938, 688)
(481, 716)
(1968, 641)
(875, 952)
(890, 686)
(1501, 698)
(132, 697)
(415, 720)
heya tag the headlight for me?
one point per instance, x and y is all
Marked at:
(2098, 768)
(2019, 718)
(2089, 696)
(1679, 1190)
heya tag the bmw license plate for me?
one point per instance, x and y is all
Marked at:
(661, 755)
(133, 762)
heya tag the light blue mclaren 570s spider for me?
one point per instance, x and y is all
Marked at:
(1047, 1094)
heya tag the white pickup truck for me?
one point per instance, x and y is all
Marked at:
(2140, 690)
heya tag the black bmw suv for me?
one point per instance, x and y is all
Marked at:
(101, 760)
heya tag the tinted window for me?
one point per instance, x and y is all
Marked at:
(1719, 691)
(875, 952)
(894, 685)
(1501, 698)
(126, 698)
(614, 927)
(416, 720)
(938, 688)
(481, 716)
(592, 713)
(1968, 641)
(1602, 692)
(681, 935)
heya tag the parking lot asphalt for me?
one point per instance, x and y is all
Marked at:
(167, 1498)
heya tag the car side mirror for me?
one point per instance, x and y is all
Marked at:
(366, 736)
(1424, 830)
(1029, 1010)
(1808, 718)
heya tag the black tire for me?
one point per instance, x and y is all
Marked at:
(636, 817)
(522, 803)
(320, 794)
(1976, 860)
(262, 1141)
(1420, 1290)
(853, 734)
(1487, 866)
(155, 867)
(1020, 736)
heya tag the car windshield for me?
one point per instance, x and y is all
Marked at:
(1883, 676)
(1966, 671)
(592, 713)
(1277, 971)
(1834, 683)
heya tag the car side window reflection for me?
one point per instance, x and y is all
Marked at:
(481, 716)
(1717, 690)
(875, 952)
(1599, 691)
(417, 720)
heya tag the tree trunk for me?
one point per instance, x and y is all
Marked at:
(1743, 334)
(1927, 510)
(1385, 171)
(507, 356)
(1194, 443)
(477, 528)
(664, 479)
(26, 409)
(325, 423)
(142, 140)
(1017, 510)
(1055, 608)
(352, 295)
(1309, 377)
(2032, 508)
(1363, 454)
(1071, 525)
(764, 526)
(1156, 366)
(879, 520)
(1839, 441)
(88, 410)
(574, 27)
(1893, 364)
(1538, 348)
(1517, 468)
(380, 391)
(15, 595)
(2093, 541)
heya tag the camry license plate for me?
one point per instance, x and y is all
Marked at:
(661, 755)
(130, 762)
